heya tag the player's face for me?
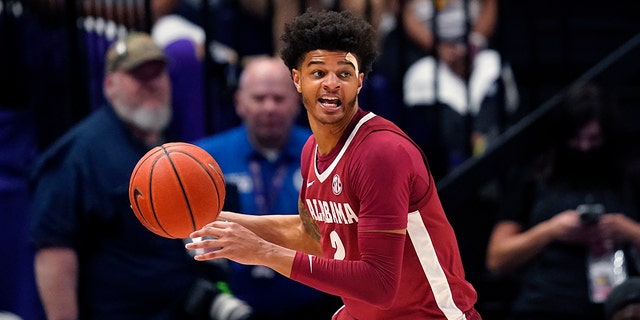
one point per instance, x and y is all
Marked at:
(142, 96)
(329, 82)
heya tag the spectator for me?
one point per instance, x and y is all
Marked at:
(563, 224)
(439, 28)
(94, 260)
(202, 85)
(370, 227)
(183, 40)
(456, 76)
(183, 43)
(283, 11)
(262, 158)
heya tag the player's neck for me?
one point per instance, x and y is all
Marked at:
(325, 144)
(327, 135)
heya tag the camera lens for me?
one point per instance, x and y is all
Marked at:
(206, 301)
(227, 307)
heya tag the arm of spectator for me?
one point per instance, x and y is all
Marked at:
(160, 8)
(56, 270)
(485, 25)
(420, 34)
(370, 10)
(283, 12)
(620, 228)
(510, 247)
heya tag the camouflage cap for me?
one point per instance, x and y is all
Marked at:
(131, 51)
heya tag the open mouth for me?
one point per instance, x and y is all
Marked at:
(330, 103)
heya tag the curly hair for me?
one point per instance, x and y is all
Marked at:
(329, 30)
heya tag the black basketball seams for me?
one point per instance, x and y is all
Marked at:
(151, 202)
(144, 159)
(219, 173)
(204, 167)
(167, 153)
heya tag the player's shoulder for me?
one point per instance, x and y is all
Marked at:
(380, 141)
(385, 144)
(378, 132)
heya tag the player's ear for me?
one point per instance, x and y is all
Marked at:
(360, 81)
(295, 75)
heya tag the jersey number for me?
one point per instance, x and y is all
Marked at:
(336, 243)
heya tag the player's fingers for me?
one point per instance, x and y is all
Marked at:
(203, 247)
(209, 254)
(212, 229)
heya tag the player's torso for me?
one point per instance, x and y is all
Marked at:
(332, 190)
(334, 208)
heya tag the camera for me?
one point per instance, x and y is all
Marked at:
(590, 213)
(207, 301)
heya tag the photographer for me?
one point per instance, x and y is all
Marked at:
(569, 228)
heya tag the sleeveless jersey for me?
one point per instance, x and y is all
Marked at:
(376, 178)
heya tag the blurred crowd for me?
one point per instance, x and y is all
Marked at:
(210, 42)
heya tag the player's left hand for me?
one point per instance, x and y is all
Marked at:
(223, 239)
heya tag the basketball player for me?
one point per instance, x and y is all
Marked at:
(371, 228)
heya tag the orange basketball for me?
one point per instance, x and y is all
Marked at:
(176, 188)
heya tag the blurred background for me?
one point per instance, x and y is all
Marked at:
(51, 68)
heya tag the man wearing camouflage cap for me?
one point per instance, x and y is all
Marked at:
(138, 87)
(94, 260)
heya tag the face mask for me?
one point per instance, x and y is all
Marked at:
(583, 166)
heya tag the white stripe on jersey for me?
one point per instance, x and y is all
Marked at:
(322, 177)
(423, 246)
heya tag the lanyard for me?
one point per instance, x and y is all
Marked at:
(265, 196)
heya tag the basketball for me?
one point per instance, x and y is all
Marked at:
(175, 189)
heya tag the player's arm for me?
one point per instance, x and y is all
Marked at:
(56, 270)
(374, 278)
(297, 232)
(271, 240)
(309, 226)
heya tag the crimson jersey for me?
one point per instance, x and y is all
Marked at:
(376, 178)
